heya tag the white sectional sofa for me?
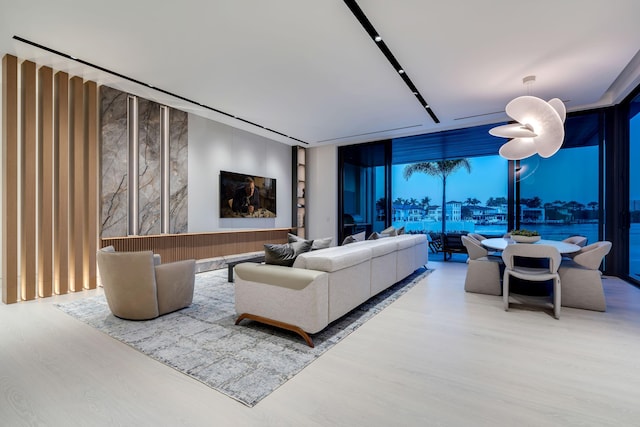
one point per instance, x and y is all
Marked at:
(325, 284)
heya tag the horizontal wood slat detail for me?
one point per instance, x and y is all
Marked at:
(177, 247)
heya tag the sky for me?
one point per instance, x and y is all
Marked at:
(570, 175)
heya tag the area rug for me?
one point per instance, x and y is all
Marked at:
(246, 362)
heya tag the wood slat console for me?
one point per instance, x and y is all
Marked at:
(177, 247)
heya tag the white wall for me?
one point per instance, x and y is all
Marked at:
(1, 182)
(322, 192)
(214, 147)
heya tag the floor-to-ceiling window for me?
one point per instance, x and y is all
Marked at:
(634, 188)
(363, 199)
(559, 195)
(473, 192)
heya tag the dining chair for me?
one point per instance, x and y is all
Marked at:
(582, 279)
(478, 237)
(532, 274)
(577, 240)
(483, 270)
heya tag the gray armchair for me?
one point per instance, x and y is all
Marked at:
(483, 271)
(137, 289)
(582, 279)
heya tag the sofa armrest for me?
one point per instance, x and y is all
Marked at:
(290, 295)
(276, 275)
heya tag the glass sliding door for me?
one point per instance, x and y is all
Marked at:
(474, 190)
(634, 188)
(363, 202)
(559, 195)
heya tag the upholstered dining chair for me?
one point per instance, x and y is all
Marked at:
(577, 240)
(582, 279)
(483, 270)
(478, 237)
(512, 269)
(137, 289)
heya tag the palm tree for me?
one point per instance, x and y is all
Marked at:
(441, 168)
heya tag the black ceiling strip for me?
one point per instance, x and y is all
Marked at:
(166, 92)
(369, 28)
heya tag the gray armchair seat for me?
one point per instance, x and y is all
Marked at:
(483, 270)
(582, 279)
(138, 289)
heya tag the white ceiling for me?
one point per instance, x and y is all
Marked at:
(307, 68)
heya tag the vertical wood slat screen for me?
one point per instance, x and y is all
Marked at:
(61, 186)
(28, 177)
(45, 182)
(53, 137)
(10, 179)
(92, 171)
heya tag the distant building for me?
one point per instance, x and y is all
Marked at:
(454, 211)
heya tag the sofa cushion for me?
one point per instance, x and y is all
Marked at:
(334, 258)
(406, 241)
(285, 254)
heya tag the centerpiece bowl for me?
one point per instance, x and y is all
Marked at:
(525, 239)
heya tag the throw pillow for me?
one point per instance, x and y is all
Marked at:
(354, 238)
(323, 243)
(388, 230)
(285, 254)
(374, 236)
(108, 249)
(360, 237)
(348, 239)
(293, 238)
(401, 230)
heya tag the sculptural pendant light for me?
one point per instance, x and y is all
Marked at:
(539, 128)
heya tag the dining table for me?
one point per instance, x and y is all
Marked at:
(500, 243)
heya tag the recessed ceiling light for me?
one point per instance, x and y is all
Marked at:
(377, 38)
(401, 71)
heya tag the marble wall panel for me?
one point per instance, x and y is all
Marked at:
(113, 159)
(178, 148)
(114, 166)
(149, 167)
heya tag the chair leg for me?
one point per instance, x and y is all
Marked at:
(505, 291)
(556, 298)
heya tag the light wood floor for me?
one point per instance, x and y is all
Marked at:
(437, 356)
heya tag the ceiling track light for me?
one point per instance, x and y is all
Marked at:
(375, 36)
(122, 76)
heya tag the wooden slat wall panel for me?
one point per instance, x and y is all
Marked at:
(92, 170)
(78, 202)
(10, 179)
(50, 181)
(62, 188)
(45, 182)
(177, 247)
(29, 182)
